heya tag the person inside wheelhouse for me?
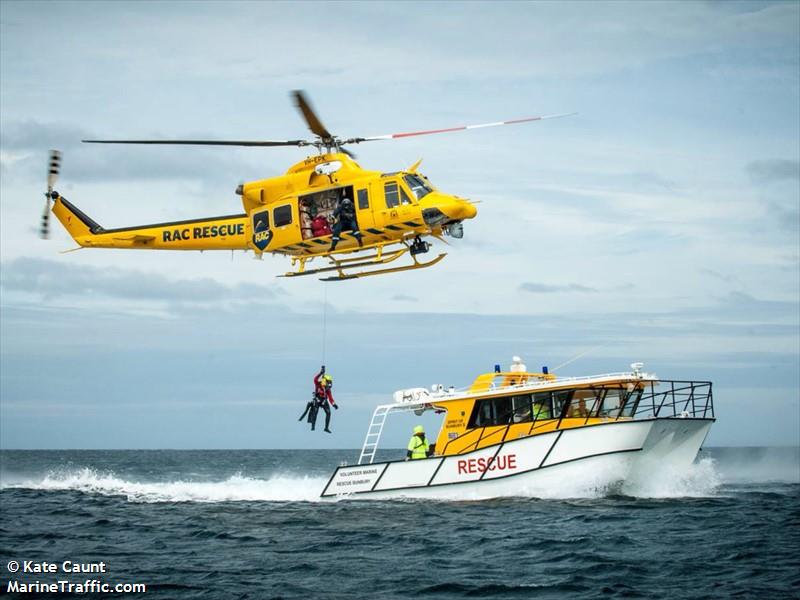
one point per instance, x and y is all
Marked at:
(583, 403)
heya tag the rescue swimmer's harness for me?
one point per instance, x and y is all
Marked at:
(316, 402)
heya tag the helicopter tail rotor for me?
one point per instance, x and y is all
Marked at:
(54, 167)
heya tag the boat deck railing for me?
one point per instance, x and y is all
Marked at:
(682, 399)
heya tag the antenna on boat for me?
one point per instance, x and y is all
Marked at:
(573, 359)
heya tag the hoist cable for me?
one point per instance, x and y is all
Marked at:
(324, 319)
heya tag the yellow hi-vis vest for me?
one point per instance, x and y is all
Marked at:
(540, 411)
(418, 447)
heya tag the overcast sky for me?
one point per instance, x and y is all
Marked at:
(660, 224)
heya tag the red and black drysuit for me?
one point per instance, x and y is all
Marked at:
(322, 398)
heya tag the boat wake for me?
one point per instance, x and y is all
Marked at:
(237, 488)
(699, 480)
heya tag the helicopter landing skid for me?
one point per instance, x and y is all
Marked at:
(343, 265)
(417, 265)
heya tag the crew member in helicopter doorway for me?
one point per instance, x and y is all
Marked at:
(345, 215)
(321, 399)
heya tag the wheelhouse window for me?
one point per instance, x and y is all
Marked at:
(417, 185)
(542, 407)
(585, 403)
(282, 215)
(492, 411)
(613, 402)
(631, 403)
(561, 403)
(521, 406)
(363, 199)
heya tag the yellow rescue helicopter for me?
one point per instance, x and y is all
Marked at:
(325, 207)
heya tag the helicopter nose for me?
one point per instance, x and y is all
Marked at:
(458, 210)
(468, 210)
(439, 209)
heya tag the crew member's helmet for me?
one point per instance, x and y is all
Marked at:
(419, 429)
(328, 380)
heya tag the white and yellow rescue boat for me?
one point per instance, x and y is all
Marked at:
(512, 433)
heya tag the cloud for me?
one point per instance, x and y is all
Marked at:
(404, 298)
(50, 279)
(768, 171)
(727, 278)
(543, 288)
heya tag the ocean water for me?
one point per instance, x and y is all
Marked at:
(249, 524)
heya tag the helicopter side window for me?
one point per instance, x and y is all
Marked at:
(363, 199)
(390, 190)
(282, 215)
(404, 199)
(419, 188)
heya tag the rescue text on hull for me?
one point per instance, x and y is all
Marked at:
(512, 433)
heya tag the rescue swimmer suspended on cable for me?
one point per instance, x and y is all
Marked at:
(389, 215)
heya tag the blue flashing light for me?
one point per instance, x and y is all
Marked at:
(497, 368)
(545, 370)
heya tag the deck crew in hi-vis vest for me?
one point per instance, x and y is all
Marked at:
(418, 445)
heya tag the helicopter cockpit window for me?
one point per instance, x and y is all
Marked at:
(404, 199)
(417, 185)
(282, 215)
(395, 194)
(392, 195)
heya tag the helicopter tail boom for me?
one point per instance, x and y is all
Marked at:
(213, 233)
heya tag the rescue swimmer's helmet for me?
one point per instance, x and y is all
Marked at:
(419, 429)
(327, 379)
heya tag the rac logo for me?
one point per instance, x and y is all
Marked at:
(262, 234)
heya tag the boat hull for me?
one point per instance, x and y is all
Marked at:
(584, 458)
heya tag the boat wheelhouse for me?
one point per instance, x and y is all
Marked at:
(510, 431)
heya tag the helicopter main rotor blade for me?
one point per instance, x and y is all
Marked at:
(314, 124)
(266, 143)
(392, 136)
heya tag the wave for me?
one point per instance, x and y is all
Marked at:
(713, 473)
(698, 480)
(278, 488)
